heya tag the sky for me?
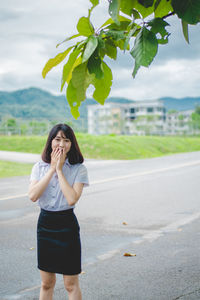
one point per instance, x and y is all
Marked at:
(30, 31)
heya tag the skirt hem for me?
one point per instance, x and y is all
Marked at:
(58, 271)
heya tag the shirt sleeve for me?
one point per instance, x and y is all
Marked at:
(35, 174)
(82, 176)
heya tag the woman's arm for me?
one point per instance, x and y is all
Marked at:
(72, 194)
(37, 188)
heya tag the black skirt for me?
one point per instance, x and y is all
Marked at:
(58, 242)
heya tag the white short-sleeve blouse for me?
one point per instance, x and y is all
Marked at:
(53, 198)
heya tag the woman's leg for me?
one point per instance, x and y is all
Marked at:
(47, 285)
(71, 283)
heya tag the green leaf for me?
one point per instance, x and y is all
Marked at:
(110, 21)
(120, 44)
(158, 26)
(90, 47)
(115, 34)
(110, 49)
(73, 100)
(188, 10)
(146, 3)
(185, 30)
(123, 26)
(145, 48)
(142, 10)
(94, 4)
(130, 34)
(76, 90)
(103, 86)
(114, 7)
(136, 68)
(156, 4)
(135, 14)
(162, 8)
(95, 66)
(69, 38)
(69, 66)
(55, 61)
(78, 81)
(84, 27)
(101, 41)
(126, 6)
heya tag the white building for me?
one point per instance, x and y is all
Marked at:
(177, 123)
(141, 117)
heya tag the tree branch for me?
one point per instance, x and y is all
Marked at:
(169, 15)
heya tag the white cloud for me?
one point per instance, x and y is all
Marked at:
(175, 78)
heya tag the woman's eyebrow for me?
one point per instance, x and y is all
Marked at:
(60, 137)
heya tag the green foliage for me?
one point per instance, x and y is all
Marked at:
(69, 66)
(140, 21)
(90, 47)
(9, 169)
(55, 61)
(158, 26)
(114, 7)
(108, 146)
(103, 86)
(11, 123)
(172, 111)
(197, 109)
(187, 10)
(84, 27)
(195, 124)
(145, 48)
(185, 30)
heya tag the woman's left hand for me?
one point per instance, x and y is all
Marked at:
(61, 160)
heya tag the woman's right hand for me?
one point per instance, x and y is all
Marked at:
(54, 158)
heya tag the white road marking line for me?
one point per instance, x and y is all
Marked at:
(172, 227)
(146, 172)
(13, 197)
(124, 176)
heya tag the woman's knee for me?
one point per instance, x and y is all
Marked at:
(71, 283)
(49, 284)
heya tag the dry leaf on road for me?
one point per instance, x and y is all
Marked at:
(129, 254)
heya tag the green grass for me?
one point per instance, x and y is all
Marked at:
(100, 147)
(9, 169)
(109, 146)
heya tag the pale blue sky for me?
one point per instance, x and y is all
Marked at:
(30, 30)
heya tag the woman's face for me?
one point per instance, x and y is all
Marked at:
(61, 142)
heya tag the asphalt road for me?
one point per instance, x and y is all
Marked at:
(159, 201)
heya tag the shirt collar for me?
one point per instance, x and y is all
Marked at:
(67, 162)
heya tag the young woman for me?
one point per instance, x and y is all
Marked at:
(56, 183)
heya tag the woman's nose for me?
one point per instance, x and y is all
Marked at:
(61, 143)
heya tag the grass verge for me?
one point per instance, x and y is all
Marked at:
(109, 146)
(99, 147)
(9, 169)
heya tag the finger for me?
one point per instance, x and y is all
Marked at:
(57, 154)
(53, 151)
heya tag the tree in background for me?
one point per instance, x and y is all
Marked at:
(141, 21)
(195, 120)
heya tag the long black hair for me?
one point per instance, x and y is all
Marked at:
(74, 155)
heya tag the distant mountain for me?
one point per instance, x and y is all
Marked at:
(186, 103)
(34, 103)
